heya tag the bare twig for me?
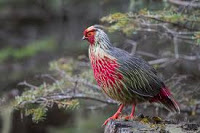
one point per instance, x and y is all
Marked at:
(60, 97)
(81, 96)
(147, 54)
(159, 61)
(78, 80)
(160, 27)
(159, 19)
(28, 85)
(185, 3)
(134, 44)
(52, 78)
(191, 58)
(176, 53)
(48, 76)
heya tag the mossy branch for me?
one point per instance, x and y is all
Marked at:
(162, 22)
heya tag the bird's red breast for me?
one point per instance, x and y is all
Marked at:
(105, 72)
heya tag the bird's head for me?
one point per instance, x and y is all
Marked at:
(95, 35)
(89, 34)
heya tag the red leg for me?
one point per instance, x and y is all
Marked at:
(131, 116)
(116, 115)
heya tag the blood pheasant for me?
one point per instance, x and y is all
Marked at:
(127, 79)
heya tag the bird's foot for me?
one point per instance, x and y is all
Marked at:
(114, 117)
(129, 117)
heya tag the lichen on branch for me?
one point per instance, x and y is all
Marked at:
(168, 20)
(68, 85)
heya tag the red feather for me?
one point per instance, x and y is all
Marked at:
(166, 98)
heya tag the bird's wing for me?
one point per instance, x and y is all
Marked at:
(138, 76)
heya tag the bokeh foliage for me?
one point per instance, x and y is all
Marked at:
(29, 50)
(29, 102)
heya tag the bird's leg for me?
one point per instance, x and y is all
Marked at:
(116, 115)
(131, 116)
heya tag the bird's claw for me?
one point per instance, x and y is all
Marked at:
(106, 122)
(114, 117)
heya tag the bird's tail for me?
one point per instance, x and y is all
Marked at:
(166, 98)
(170, 104)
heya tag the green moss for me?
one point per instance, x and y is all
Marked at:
(197, 38)
(38, 114)
(119, 22)
(143, 12)
(68, 104)
(173, 18)
(114, 17)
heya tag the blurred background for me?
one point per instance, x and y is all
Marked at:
(36, 32)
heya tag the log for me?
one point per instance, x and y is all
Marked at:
(121, 126)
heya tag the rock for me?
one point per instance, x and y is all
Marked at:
(134, 126)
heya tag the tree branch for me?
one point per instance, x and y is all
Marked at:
(185, 3)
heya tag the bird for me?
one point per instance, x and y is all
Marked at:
(125, 78)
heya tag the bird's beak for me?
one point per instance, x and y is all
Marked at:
(83, 38)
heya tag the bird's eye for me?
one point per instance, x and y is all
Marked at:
(90, 34)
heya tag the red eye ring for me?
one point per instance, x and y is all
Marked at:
(89, 34)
